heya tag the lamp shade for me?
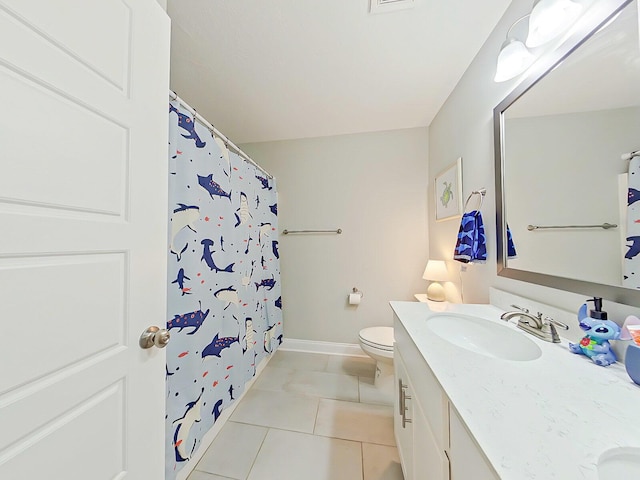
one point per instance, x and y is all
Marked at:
(436, 271)
(549, 18)
(513, 59)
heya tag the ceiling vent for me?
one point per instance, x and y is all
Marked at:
(384, 6)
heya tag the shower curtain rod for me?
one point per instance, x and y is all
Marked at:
(174, 96)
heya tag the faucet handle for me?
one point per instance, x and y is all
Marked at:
(522, 309)
(549, 329)
(557, 323)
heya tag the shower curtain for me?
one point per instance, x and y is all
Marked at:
(631, 275)
(224, 304)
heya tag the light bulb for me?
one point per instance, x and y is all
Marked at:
(550, 18)
(513, 59)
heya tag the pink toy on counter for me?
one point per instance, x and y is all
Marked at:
(631, 329)
(634, 330)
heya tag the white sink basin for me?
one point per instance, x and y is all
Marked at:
(484, 337)
(619, 464)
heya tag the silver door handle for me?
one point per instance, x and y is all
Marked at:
(154, 336)
(401, 388)
(405, 420)
(403, 404)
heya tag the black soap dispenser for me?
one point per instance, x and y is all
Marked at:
(597, 312)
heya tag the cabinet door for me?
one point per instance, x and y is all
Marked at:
(467, 461)
(429, 460)
(403, 434)
(426, 387)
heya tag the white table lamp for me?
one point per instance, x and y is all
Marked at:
(435, 272)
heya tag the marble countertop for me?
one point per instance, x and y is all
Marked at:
(549, 418)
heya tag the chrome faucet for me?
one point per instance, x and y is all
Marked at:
(537, 320)
(538, 325)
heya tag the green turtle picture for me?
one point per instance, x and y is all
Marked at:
(447, 194)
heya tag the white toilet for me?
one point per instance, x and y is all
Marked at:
(377, 342)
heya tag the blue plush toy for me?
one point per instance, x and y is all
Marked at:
(595, 344)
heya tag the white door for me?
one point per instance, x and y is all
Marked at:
(83, 141)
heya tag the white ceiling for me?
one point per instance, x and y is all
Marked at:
(282, 69)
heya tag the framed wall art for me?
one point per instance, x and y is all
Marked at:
(448, 192)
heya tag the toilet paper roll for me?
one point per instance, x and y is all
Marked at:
(354, 298)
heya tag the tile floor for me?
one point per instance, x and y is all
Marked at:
(307, 417)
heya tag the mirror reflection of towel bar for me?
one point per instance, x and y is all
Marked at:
(604, 226)
(287, 232)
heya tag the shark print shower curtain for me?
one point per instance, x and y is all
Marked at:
(631, 263)
(224, 304)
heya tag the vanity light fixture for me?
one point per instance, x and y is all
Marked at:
(549, 18)
(514, 57)
(435, 272)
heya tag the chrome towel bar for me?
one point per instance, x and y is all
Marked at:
(604, 226)
(287, 232)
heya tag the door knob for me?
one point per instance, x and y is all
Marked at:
(155, 336)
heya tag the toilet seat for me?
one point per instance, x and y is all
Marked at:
(380, 338)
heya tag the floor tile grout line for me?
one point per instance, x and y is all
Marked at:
(213, 475)
(257, 454)
(325, 436)
(315, 420)
(210, 474)
(216, 473)
(320, 397)
(314, 432)
(362, 458)
(317, 434)
(302, 370)
(268, 427)
(356, 440)
(359, 403)
(311, 395)
(325, 367)
(380, 444)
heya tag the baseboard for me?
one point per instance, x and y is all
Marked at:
(330, 348)
(211, 435)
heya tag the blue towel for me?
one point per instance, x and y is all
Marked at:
(472, 242)
(511, 248)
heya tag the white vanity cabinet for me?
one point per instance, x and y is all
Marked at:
(403, 416)
(421, 429)
(467, 461)
(432, 441)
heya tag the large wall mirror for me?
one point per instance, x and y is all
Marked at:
(560, 177)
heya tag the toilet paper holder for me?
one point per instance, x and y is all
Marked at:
(355, 297)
